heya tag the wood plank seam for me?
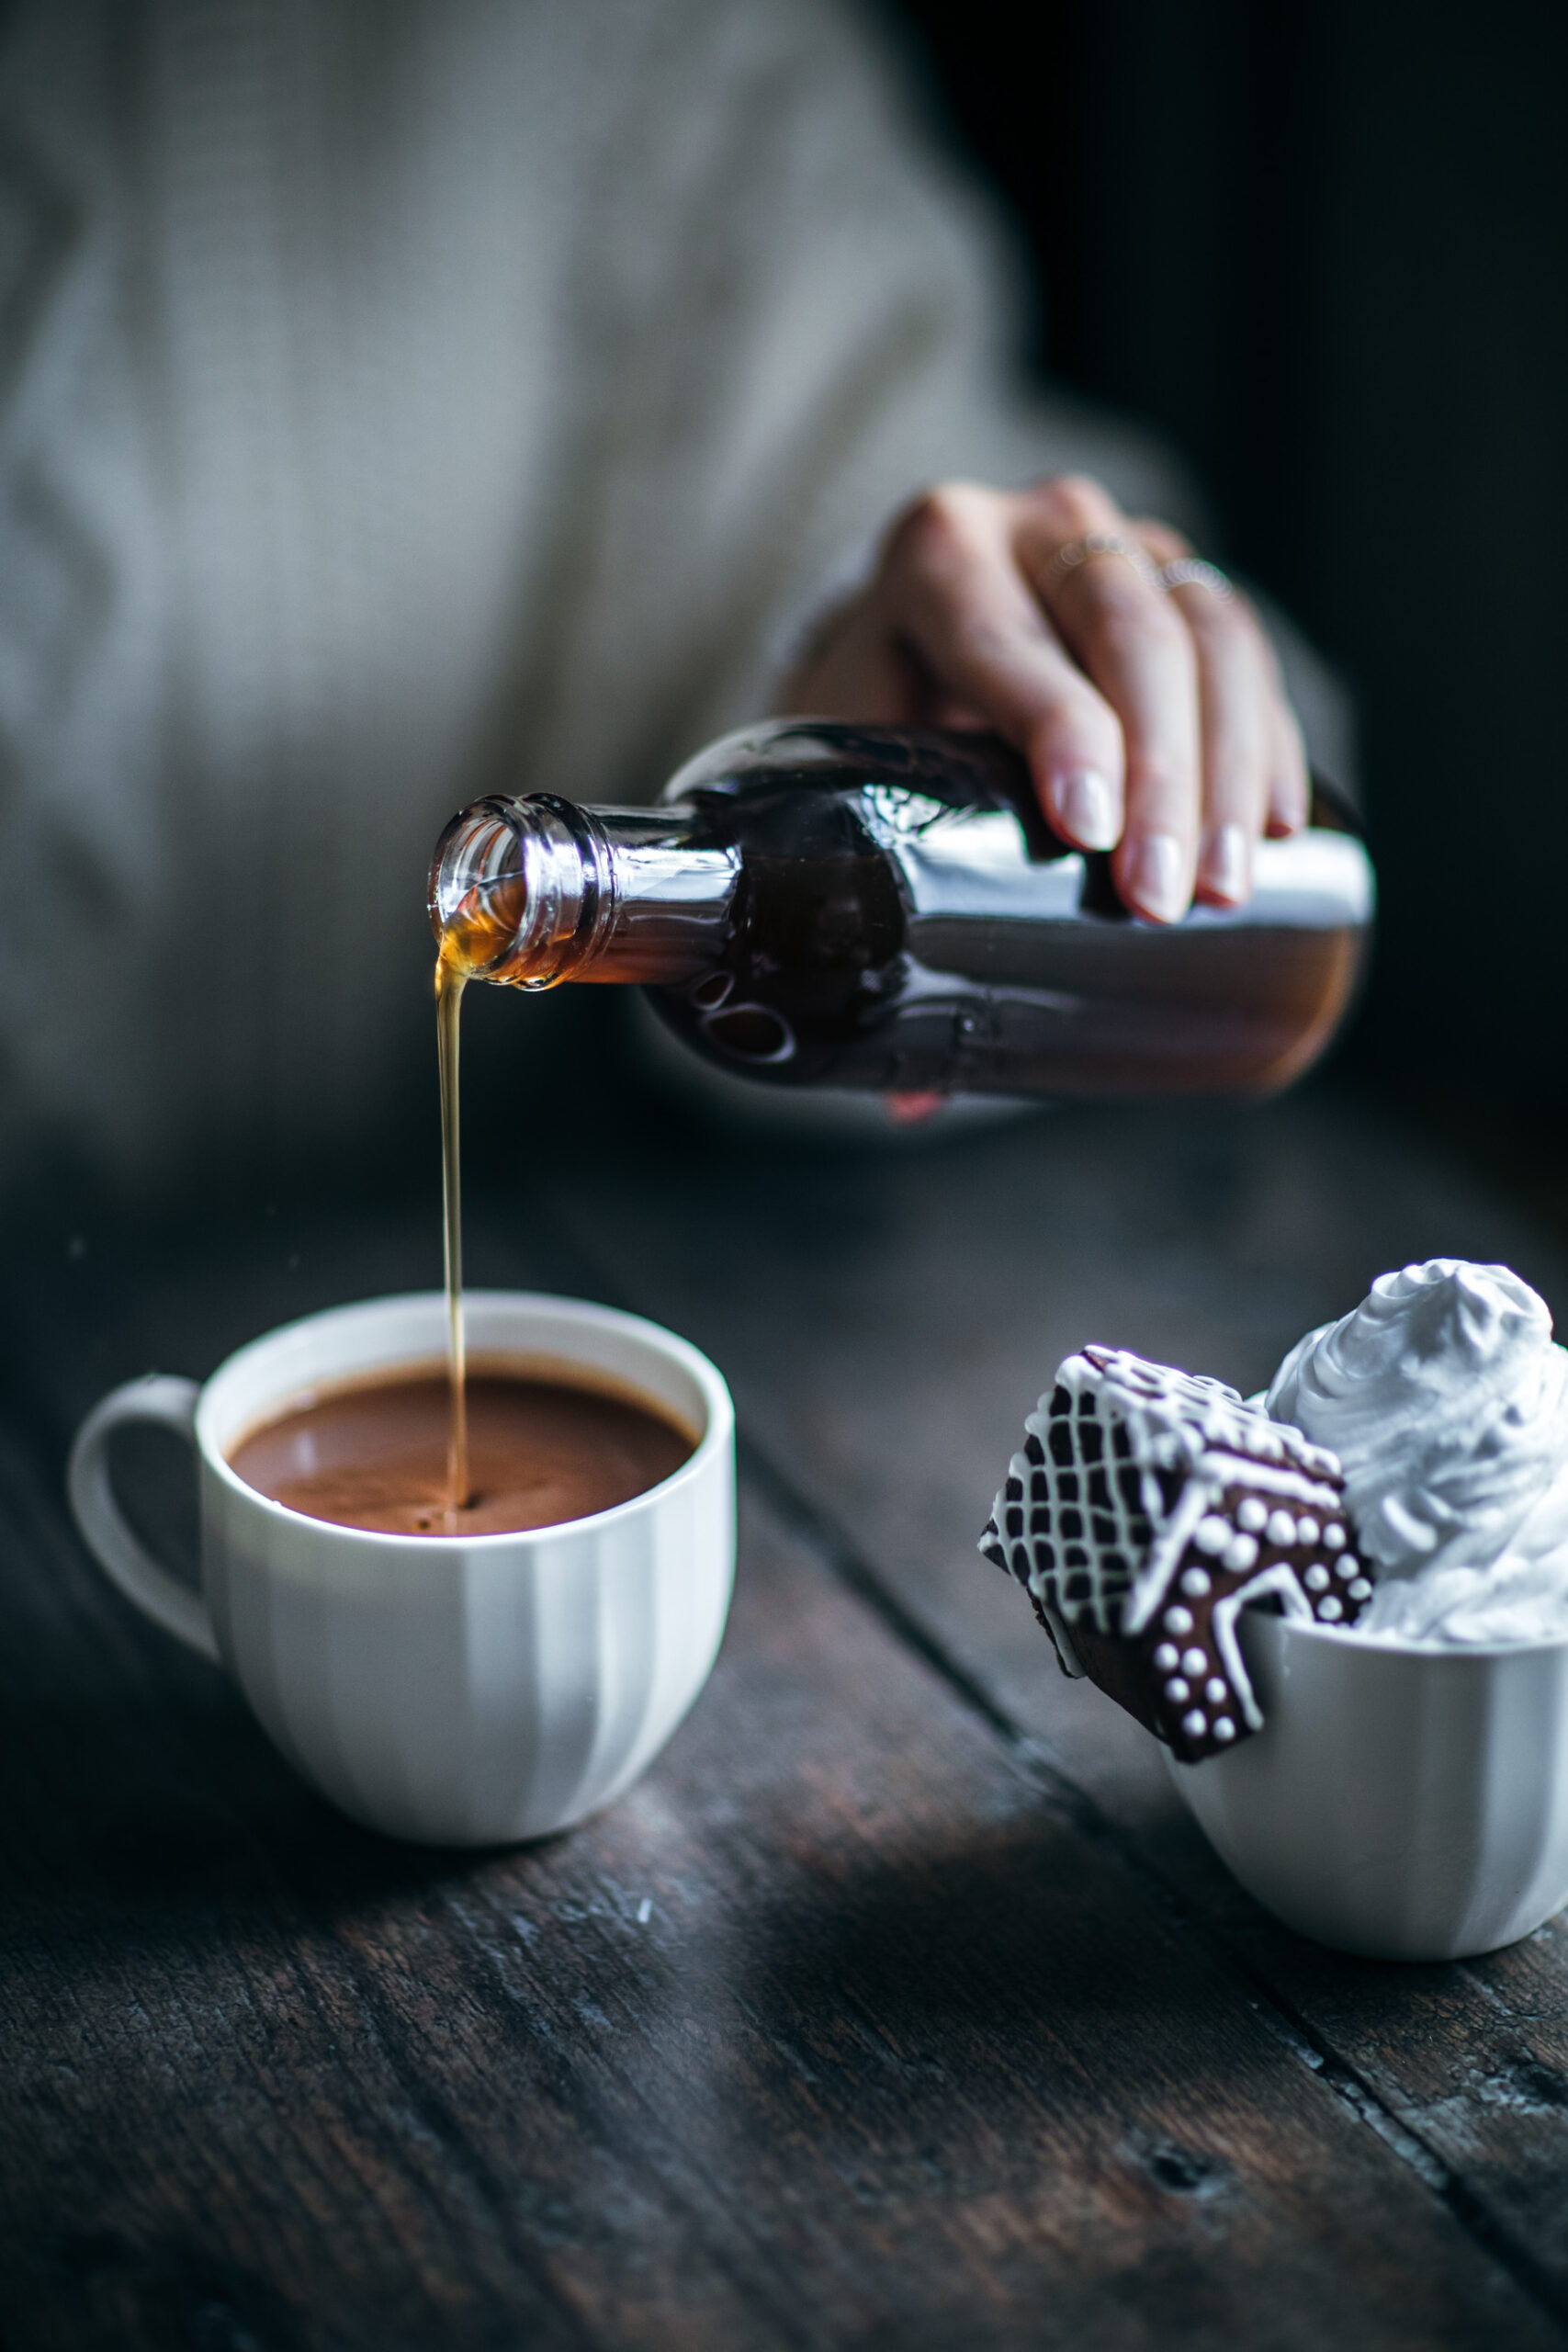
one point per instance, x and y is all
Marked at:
(1035, 1762)
(1468, 2209)
(1031, 1757)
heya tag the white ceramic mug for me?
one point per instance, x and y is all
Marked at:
(458, 1690)
(1402, 1803)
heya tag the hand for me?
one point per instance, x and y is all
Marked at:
(1153, 719)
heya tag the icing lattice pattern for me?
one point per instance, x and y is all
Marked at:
(1147, 1508)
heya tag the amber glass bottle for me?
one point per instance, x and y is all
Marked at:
(828, 905)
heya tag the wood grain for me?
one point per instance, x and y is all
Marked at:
(886, 1322)
(838, 2030)
(898, 2007)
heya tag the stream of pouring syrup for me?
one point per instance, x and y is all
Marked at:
(476, 938)
(450, 982)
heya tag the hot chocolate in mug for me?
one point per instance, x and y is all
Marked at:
(461, 1691)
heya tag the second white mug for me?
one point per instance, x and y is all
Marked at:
(1400, 1802)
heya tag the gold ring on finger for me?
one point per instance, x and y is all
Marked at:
(1192, 571)
(1069, 557)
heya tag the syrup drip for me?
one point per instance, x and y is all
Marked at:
(450, 982)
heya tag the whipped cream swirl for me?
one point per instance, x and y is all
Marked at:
(1447, 1402)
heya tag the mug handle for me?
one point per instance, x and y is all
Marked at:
(168, 1404)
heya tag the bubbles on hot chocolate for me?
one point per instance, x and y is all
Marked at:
(1446, 1399)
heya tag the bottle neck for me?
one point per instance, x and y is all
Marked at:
(534, 892)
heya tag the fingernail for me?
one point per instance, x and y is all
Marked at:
(1087, 808)
(1157, 877)
(1226, 865)
(1289, 808)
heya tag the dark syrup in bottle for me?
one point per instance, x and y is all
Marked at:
(821, 904)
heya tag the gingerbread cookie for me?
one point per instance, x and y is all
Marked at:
(1148, 1509)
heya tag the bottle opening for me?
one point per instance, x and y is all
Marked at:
(513, 896)
(477, 889)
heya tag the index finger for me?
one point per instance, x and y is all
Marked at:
(1118, 623)
(955, 593)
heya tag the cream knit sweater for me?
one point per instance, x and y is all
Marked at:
(401, 400)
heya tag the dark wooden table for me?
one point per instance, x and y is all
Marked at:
(901, 2005)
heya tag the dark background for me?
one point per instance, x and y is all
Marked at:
(1323, 250)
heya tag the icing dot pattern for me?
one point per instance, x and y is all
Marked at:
(1147, 1507)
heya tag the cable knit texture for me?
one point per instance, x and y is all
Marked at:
(400, 400)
